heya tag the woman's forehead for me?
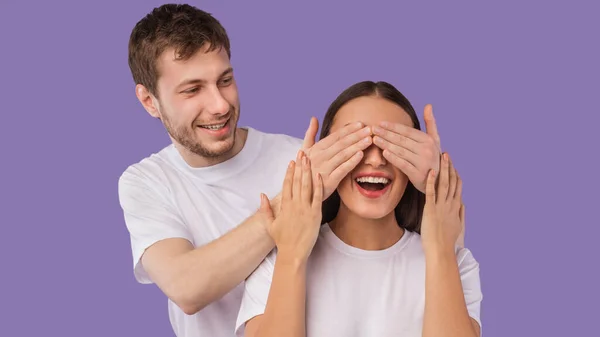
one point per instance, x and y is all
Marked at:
(370, 111)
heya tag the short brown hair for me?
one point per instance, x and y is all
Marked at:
(179, 26)
(409, 210)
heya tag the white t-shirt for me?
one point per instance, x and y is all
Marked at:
(360, 293)
(163, 197)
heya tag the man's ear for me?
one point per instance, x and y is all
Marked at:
(148, 101)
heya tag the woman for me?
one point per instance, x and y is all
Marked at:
(384, 262)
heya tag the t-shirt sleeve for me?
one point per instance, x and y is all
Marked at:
(149, 216)
(256, 293)
(471, 283)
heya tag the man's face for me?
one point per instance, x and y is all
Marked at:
(198, 102)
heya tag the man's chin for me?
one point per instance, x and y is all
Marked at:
(215, 147)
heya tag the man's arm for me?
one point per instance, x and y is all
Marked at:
(194, 278)
(191, 277)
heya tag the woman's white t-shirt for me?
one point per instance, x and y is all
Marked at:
(354, 293)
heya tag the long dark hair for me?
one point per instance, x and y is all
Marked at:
(410, 208)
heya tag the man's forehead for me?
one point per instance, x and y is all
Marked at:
(201, 66)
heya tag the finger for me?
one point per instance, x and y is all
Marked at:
(459, 188)
(430, 188)
(286, 194)
(317, 192)
(461, 236)
(346, 154)
(411, 171)
(311, 134)
(452, 180)
(396, 139)
(297, 181)
(430, 125)
(399, 151)
(344, 169)
(306, 192)
(342, 139)
(406, 131)
(265, 206)
(442, 192)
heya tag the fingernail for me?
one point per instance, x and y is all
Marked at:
(367, 140)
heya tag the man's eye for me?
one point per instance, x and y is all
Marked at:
(191, 90)
(226, 81)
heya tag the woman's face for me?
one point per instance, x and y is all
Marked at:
(374, 188)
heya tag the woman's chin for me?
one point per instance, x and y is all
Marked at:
(369, 212)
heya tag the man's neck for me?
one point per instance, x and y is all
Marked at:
(197, 161)
(366, 234)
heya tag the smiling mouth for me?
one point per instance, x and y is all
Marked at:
(373, 183)
(214, 126)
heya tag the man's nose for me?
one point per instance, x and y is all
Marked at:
(217, 104)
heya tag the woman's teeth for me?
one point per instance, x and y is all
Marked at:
(372, 183)
(373, 180)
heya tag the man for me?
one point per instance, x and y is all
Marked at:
(193, 210)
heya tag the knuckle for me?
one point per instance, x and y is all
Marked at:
(402, 140)
(400, 150)
(350, 138)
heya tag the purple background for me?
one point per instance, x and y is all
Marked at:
(512, 83)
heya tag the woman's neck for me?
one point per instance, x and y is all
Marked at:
(366, 234)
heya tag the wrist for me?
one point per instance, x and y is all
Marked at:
(291, 258)
(437, 242)
(260, 227)
(439, 252)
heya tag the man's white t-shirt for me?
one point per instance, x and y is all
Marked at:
(359, 293)
(163, 197)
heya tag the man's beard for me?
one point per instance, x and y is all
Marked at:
(186, 137)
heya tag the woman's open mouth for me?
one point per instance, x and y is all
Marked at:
(372, 186)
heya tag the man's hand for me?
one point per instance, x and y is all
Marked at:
(412, 151)
(336, 155)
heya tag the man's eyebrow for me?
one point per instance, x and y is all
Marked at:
(227, 72)
(201, 81)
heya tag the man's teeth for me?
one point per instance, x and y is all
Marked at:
(373, 180)
(214, 127)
